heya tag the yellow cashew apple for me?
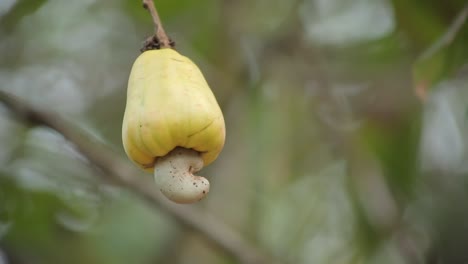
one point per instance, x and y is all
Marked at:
(172, 124)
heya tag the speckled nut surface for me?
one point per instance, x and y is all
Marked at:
(174, 176)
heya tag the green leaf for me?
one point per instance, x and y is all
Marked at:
(443, 59)
(21, 9)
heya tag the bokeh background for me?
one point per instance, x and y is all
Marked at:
(347, 129)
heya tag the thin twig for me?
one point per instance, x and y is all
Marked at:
(117, 170)
(159, 31)
(446, 39)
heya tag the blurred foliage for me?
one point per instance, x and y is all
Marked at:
(330, 157)
(19, 10)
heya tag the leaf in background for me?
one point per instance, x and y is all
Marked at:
(394, 140)
(337, 23)
(312, 220)
(443, 140)
(419, 23)
(31, 218)
(12, 135)
(21, 9)
(127, 232)
(444, 57)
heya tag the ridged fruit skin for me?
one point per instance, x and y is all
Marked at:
(170, 104)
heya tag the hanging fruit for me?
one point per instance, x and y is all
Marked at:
(172, 124)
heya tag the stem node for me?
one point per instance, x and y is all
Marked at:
(159, 40)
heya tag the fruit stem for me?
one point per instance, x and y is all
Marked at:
(160, 34)
(174, 176)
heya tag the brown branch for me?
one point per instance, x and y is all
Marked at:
(119, 171)
(160, 39)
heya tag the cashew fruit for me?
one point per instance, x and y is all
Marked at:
(173, 125)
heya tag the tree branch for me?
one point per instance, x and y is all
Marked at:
(160, 38)
(117, 170)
